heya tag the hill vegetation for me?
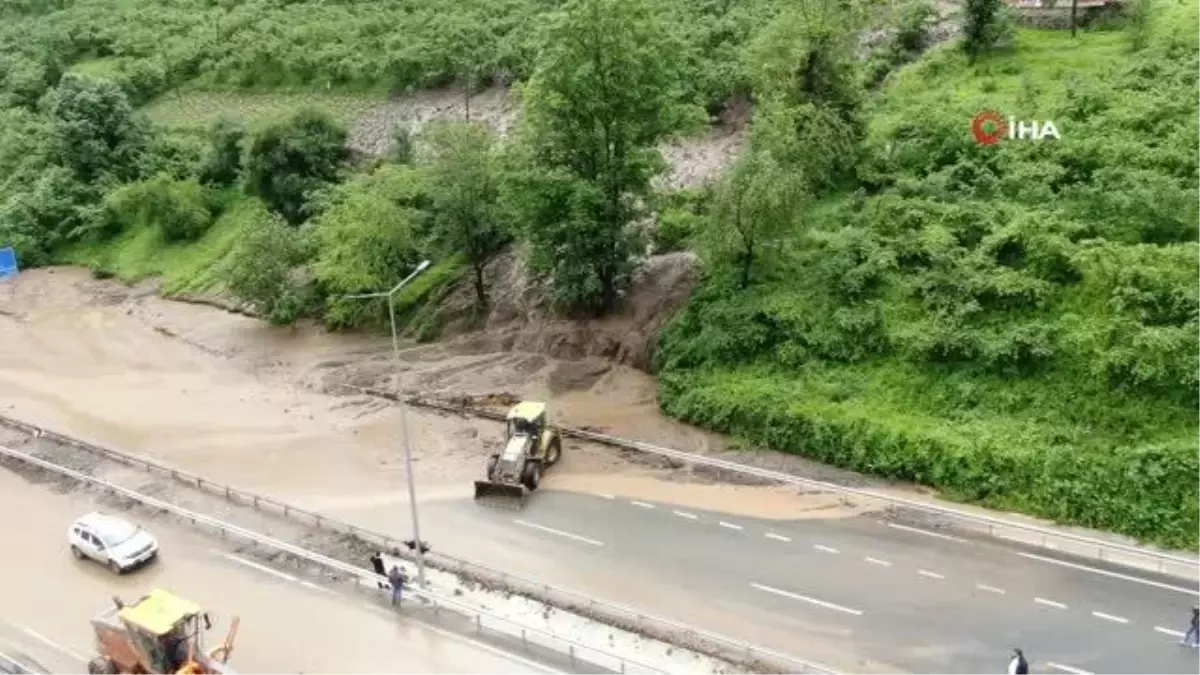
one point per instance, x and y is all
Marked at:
(1014, 324)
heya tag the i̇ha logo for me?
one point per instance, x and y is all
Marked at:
(990, 127)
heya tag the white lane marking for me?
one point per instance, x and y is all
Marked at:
(1110, 617)
(685, 514)
(805, 598)
(927, 533)
(493, 650)
(605, 495)
(560, 533)
(311, 586)
(52, 644)
(776, 537)
(990, 589)
(260, 568)
(644, 505)
(1068, 669)
(827, 549)
(729, 525)
(1168, 631)
(877, 561)
(1049, 603)
(931, 575)
(1115, 575)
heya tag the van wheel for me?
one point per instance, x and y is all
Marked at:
(554, 452)
(112, 565)
(76, 552)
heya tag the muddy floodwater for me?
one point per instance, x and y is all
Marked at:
(274, 409)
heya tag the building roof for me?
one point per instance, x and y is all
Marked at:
(159, 612)
(527, 410)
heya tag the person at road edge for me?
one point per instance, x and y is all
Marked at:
(397, 578)
(377, 565)
(1192, 637)
(1018, 665)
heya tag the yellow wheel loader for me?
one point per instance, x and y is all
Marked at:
(530, 447)
(160, 633)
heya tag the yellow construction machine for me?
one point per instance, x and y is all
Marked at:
(530, 447)
(160, 633)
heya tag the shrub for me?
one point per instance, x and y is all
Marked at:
(262, 268)
(289, 161)
(178, 207)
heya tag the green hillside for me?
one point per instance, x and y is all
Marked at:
(1014, 324)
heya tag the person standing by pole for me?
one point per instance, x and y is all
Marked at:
(397, 578)
(377, 565)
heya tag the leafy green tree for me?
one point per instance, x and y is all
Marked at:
(465, 191)
(177, 207)
(366, 240)
(984, 26)
(402, 144)
(223, 165)
(263, 267)
(99, 135)
(54, 209)
(288, 162)
(758, 205)
(603, 95)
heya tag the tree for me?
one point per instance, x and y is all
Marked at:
(982, 27)
(366, 240)
(465, 192)
(758, 205)
(223, 166)
(98, 133)
(262, 266)
(601, 98)
(290, 161)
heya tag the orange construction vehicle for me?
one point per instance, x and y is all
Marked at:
(160, 633)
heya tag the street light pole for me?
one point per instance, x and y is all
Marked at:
(412, 488)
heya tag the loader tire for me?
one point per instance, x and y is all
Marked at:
(554, 452)
(101, 666)
(531, 475)
(491, 467)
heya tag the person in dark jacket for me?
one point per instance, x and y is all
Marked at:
(1018, 665)
(1192, 637)
(377, 565)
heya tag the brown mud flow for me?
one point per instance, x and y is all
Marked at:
(266, 408)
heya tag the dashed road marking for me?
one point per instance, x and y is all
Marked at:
(560, 533)
(827, 549)
(260, 568)
(1049, 603)
(314, 587)
(51, 643)
(990, 589)
(644, 505)
(1168, 631)
(729, 525)
(805, 598)
(927, 533)
(605, 495)
(931, 575)
(1115, 575)
(1110, 617)
(776, 537)
(1068, 669)
(685, 514)
(877, 561)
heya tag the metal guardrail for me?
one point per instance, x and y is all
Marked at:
(1166, 563)
(750, 657)
(575, 650)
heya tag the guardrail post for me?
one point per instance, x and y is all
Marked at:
(478, 624)
(317, 522)
(255, 502)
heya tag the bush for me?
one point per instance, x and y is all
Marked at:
(290, 161)
(179, 208)
(262, 268)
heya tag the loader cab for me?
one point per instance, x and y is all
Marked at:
(160, 633)
(527, 418)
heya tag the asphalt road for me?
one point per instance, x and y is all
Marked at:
(47, 599)
(857, 594)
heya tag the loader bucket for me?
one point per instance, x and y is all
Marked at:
(502, 494)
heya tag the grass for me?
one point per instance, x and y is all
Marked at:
(198, 109)
(141, 252)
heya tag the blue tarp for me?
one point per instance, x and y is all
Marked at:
(8, 263)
